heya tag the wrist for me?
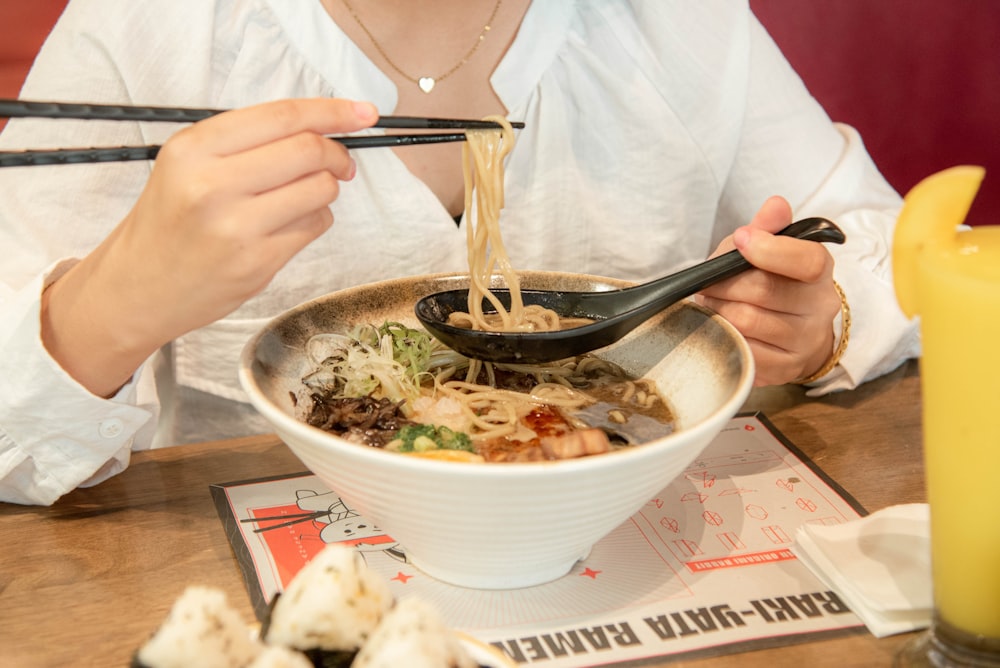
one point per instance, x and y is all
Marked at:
(839, 344)
(81, 333)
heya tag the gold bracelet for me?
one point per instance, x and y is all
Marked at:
(845, 335)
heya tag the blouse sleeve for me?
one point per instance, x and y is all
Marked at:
(763, 134)
(54, 434)
(790, 147)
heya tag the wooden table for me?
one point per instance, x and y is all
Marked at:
(84, 582)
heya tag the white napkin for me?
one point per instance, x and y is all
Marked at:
(879, 564)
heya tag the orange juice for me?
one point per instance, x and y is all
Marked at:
(958, 290)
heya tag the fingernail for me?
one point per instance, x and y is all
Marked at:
(352, 170)
(365, 111)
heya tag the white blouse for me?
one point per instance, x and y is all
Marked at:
(653, 129)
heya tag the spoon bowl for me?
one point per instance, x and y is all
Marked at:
(614, 313)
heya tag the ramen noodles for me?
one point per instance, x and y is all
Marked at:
(483, 156)
(400, 389)
(393, 387)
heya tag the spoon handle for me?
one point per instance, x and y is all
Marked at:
(651, 296)
(732, 263)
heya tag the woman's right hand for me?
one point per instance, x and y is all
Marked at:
(230, 200)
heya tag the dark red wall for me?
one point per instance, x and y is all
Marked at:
(920, 79)
(24, 25)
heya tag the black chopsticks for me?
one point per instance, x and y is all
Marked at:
(10, 108)
(69, 156)
(120, 112)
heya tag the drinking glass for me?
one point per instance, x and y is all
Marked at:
(951, 279)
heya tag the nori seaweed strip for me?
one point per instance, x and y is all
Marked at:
(319, 658)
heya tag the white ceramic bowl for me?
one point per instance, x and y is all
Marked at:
(502, 526)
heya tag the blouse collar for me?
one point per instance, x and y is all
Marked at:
(351, 74)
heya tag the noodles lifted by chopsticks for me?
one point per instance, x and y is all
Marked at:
(367, 385)
(483, 154)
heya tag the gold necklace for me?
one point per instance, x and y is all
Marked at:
(426, 84)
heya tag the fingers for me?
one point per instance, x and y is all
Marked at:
(784, 306)
(242, 129)
(773, 216)
(253, 267)
(287, 180)
(774, 332)
(757, 321)
(294, 236)
(773, 365)
(794, 258)
(797, 259)
(268, 214)
(771, 290)
(205, 157)
(287, 159)
(275, 151)
(230, 200)
(785, 346)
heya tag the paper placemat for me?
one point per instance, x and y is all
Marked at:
(705, 567)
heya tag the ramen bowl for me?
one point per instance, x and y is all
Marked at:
(502, 525)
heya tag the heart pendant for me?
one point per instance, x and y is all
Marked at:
(426, 84)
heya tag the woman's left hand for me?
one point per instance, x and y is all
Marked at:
(785, 305)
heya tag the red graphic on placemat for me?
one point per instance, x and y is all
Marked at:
(776, 534)
(712, 518)
(703, 478)
(296, 533)
(291, 543)
(731, 541)
(739, 491)
(807, 505)
(670, 524)
(686, 549)
(735, 560)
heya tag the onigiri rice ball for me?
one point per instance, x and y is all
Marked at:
(413, 634)
(333, 604)
(280, 657)
(200, 630)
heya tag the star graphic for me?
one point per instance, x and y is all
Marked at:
(402, 577)
(590, 573)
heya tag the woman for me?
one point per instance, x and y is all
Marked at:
(656, 134)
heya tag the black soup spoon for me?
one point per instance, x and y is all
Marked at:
(615, 312)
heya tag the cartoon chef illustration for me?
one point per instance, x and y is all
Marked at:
(345, 526)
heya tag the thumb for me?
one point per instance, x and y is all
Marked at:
(773, 216)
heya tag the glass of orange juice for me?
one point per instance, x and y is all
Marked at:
(950, 278)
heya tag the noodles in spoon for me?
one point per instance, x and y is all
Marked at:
(483, 156)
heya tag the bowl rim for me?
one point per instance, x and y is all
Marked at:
(276, 416)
